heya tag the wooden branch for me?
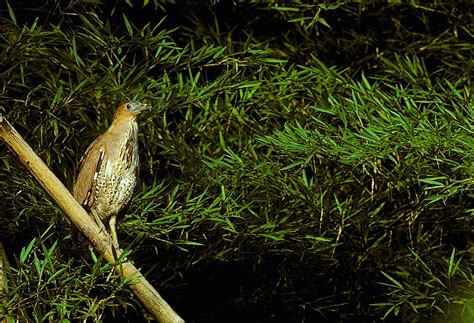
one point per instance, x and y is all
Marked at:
(101, 241)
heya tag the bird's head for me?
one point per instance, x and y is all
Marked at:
(130, 109)
(135, 106)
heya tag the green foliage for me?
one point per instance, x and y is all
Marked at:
(49, 287)
(301, 162)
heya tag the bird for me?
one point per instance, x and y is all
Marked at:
(108, 171)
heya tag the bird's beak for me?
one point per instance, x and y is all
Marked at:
(144, 107)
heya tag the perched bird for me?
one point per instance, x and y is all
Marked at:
(108, 171)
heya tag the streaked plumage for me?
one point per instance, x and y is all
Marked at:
(108, 171)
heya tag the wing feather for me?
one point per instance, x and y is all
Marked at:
(89, 165)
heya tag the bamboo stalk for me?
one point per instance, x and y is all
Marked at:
(145, 292)
(4, 267)
(21, 313)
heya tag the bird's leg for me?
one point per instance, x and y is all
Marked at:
(98, 220)
(116, 251)
(113, 230)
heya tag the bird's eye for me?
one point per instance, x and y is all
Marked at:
(128, 106)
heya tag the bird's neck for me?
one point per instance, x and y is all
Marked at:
(123, 125)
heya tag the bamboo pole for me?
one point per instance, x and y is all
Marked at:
(102, 242)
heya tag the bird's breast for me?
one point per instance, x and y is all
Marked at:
(117, 175)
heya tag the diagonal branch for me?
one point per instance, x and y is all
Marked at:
(145, 292)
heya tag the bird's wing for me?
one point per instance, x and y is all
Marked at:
(89, 165)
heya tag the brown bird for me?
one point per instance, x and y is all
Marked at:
(108, 171)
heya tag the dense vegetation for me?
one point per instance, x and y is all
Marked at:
(301, 163)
